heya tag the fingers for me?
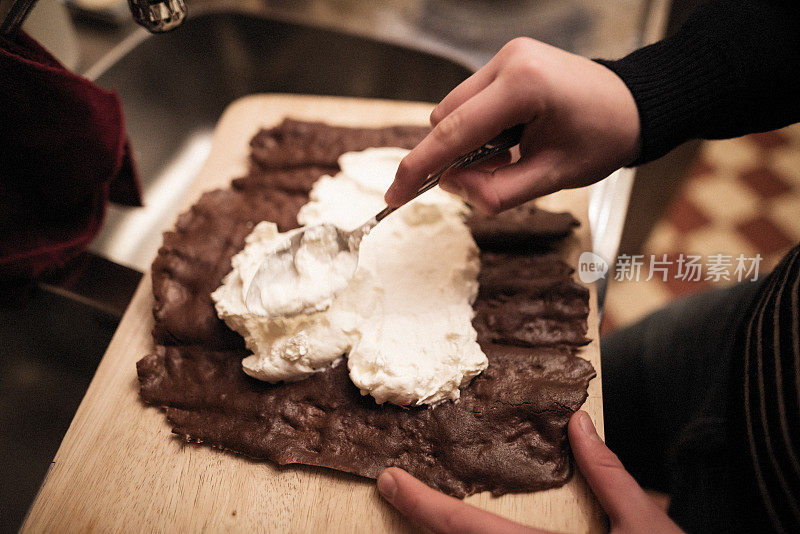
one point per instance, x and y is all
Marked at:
(501, 159)
(469, 126)
(440, 513)
(619, 494)
(492, 191)
(464, 91)
(613, 486)
(482, 77)
(451, 180)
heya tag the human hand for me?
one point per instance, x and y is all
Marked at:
(581, 125)
(629, 508)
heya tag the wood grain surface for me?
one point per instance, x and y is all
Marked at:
(120, 469)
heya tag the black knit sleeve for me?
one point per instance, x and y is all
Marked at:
(732, 68)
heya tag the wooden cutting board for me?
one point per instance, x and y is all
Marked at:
(119, 468)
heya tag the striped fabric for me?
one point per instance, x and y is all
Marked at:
(770, 396)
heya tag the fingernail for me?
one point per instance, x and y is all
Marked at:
(387, 486)
(391, 194)
(433, 116)
(587, 426)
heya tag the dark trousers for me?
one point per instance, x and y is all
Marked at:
(666, 396)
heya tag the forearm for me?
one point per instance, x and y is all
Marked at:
(733, 68)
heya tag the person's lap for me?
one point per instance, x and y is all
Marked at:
(666, 397)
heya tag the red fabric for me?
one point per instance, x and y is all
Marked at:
(63, 154)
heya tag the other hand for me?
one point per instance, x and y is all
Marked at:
(629, 508)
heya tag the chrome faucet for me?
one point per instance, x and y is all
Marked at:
(156, 16)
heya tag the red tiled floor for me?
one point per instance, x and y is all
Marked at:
(761, 165)
(765, 182)
(701, 168)
(680, 279)
(764, 235)
(769, 140)
(685, 216)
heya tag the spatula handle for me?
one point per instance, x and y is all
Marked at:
(505, 140)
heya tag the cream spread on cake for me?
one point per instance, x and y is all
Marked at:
(403, 320)
(287, 283)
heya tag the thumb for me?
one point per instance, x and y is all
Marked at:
(438, 512)
(625, 502)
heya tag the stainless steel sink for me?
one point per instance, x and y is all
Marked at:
(175, 86)
(50, 346)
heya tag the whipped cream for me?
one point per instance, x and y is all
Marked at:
(404, 319)
(288, 284)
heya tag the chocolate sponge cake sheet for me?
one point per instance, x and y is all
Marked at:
(296, 143)
(507, 433)
(296, 179)
(523, 228)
